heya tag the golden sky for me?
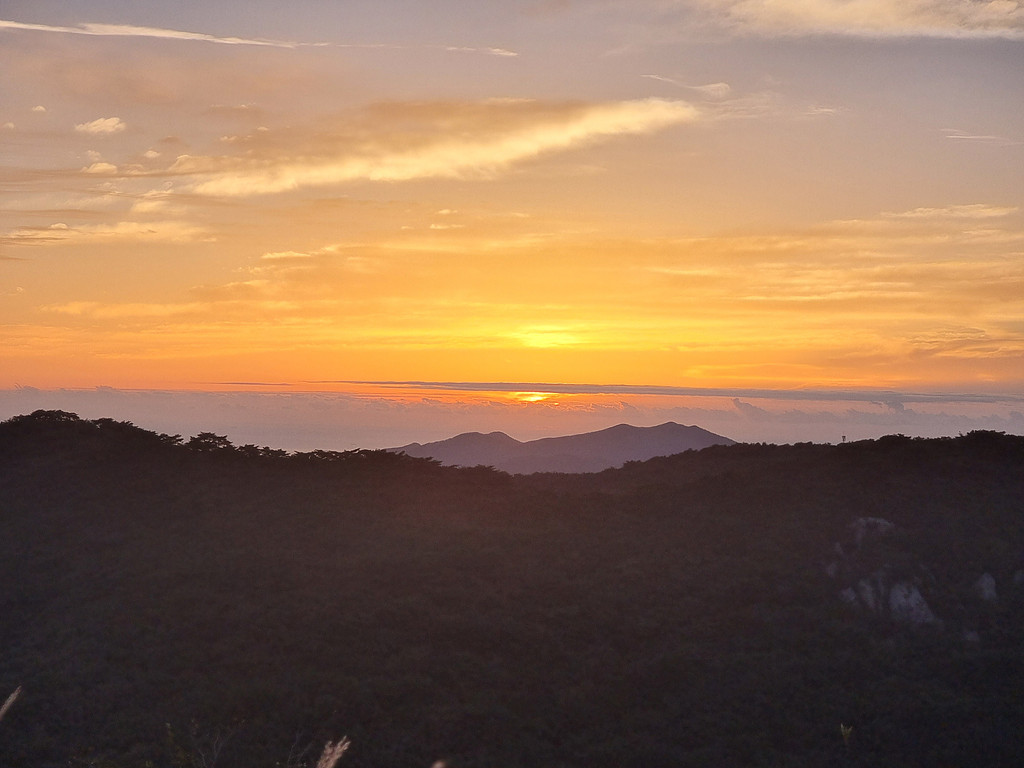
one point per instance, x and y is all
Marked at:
(685, 193)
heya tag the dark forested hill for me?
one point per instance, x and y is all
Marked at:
(588, 452)
(744, 605)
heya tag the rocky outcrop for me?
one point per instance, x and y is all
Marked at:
(880, 571)
(878, 591)
(907, 605)
(901, 601)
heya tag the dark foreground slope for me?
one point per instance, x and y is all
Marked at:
(676, 612)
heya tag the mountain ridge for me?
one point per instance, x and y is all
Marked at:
(578, 453)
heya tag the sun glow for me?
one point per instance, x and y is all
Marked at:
(546, 337)
(534, 397)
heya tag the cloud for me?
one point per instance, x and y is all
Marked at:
(102, 126)
(96, 310)
(748, 410)
(817, 395)
(236, 111)
(485, 50)
(955, 134)
(447, 140)
(101, 169)
(39, 108)
(157, 203)
(663, 79)
(975, 211)
(711, 90)
(816, 110)
(164, 231)
(286, 256)
(488, 51)
(127, 30)
(869, 18)
(836, 301)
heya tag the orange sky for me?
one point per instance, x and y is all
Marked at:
(704, 193)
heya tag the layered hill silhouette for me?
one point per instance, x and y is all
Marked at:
(587, 452)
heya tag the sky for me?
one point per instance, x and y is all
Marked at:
(360, 224)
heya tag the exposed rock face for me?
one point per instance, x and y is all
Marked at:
(871, 592)
(907, 604)
(883, 571)
(901, 601)
(985, 587)
(875, 591)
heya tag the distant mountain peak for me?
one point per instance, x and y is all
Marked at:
(587, 452)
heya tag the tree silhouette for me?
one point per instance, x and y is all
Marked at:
(208, 442)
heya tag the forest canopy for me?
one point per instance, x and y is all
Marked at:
(165, 594)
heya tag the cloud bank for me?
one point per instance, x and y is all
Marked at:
(816, 395)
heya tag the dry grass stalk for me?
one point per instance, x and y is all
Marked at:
(10, 700)
(333, 752)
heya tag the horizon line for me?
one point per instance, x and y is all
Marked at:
(865, 394)
(889, 397)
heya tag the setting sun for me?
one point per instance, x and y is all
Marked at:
(533, 397)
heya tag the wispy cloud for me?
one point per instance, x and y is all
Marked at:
(449, 140)
(485, 50)
(710, 90)
(955, 134)
(974, 211)
(869, 18)
(488, 51)
(127, 30)
(157, 231)
(93, 309)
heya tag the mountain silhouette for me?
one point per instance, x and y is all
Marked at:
(587, 452)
